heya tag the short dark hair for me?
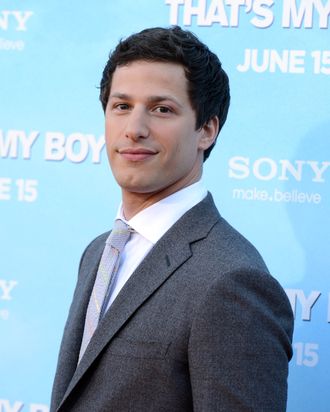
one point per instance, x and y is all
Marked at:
(208, 84)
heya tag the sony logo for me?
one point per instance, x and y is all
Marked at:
(266, 168)
(14, 19)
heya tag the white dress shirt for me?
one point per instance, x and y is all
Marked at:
(149, 226)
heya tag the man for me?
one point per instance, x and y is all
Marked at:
(191, 319)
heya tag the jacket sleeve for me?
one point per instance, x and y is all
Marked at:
(240, 345)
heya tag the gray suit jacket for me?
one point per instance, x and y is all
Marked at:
(199, 326)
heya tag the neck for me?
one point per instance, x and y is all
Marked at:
(133, 202)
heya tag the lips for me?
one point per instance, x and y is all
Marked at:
(137, 154)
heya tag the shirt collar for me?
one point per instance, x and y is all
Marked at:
(154, 221)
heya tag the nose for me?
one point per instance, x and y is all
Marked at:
(137, 125)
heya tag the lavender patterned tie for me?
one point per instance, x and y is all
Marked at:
(104, 280)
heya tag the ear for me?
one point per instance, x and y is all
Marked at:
(209, 133)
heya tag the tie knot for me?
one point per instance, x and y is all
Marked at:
(119, 235)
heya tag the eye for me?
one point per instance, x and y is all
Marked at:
(163, 109)
(121, 106)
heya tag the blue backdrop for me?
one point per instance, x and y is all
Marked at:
(269, 172)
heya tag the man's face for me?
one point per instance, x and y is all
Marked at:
(151, 140)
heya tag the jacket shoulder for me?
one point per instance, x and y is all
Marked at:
(226, 248)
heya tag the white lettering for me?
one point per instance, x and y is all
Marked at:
(264, 12)
(174, 10)
(306, 354)
(20, 18)
(279, 60)
(259, 164)
(6, 287)
(190, 10)
(6, 407)
(5, 187)
(54, 146)
(4, 19)
(216, 14)
(318, 171)
(302, 15)
(11, 45)
(27, 143)
(296, 13)
(297, 61)
(239, 167)
(76, 140)
(234, 11)
(288, 166)
(321, 61)
(250, 194)
(266, 168)
(9, 145)
(286, 61)
(324, 12)
(97, 147)
(75, 147)
(306, 302)
(276, 195)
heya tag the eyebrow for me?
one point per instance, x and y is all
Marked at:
(151, 99)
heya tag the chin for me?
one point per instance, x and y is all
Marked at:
(136, 187)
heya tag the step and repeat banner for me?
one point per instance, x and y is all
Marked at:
(269, 173)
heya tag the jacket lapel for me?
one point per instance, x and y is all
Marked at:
(171, 251)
